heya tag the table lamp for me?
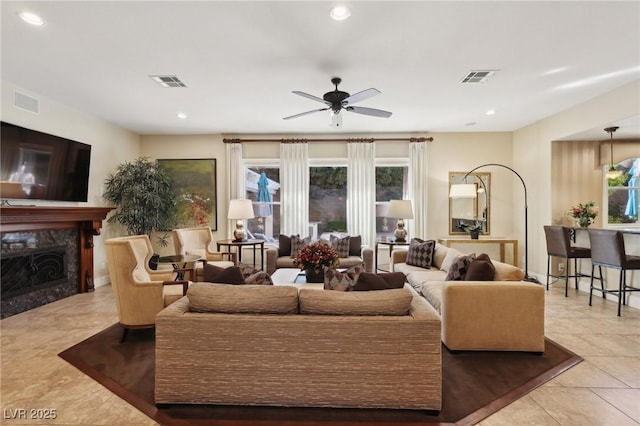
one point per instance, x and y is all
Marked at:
(400, 209)
(239, 210)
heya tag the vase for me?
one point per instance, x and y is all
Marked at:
(583, 222)
(314, 275)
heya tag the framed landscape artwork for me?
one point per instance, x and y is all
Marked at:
(195, 182)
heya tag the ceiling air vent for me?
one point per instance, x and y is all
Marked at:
(477, 76)
(167, 80)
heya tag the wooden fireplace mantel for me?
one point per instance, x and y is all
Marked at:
(87, 220)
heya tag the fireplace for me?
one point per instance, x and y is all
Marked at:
(47, 254)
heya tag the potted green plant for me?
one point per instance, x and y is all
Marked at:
(144, 198)
(474, 229)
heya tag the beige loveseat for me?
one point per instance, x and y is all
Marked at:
(358, 255)
(506, 314)
(275, 345)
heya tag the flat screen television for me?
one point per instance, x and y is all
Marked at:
(40, 166)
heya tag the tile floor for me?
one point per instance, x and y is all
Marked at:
(602, 390)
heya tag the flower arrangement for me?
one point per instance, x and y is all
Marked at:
(584, 213)
(316, 256)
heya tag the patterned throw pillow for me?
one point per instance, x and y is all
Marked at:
(421, 252)
(298, 244)
(246, 270)
(341, 281)
(259, 277)
(341, 245)
(459, 267)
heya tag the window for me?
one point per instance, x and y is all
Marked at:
(391, 184)
(622, 201)
(266, 202)
(327, 200)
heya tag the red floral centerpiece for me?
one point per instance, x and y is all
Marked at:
(313, 258)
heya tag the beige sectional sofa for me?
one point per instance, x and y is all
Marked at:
(277, 345)
(506, 314)
(359, 254)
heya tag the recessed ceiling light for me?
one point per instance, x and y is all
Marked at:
(31, 18)
(491, 112)
(340, 13)
(182, 115)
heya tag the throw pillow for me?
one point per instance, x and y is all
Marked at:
(459, 266)
(298, 244)
(284, 246)
(340, 245)
(420, 252)
(355, 245)
(260, 277)
(216, 274)
(341, 281)
(246, 270)
(370, 281)
(481, 269)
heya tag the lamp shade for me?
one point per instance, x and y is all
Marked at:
(400, 209)
(240, 209)
(463, 190)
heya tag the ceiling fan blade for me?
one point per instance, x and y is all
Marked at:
(369, 111)
(336, 120)
(304, 113)
(361, 96)
(313, 98)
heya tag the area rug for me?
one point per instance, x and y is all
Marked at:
(474, 386)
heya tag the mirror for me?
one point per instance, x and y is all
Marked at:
(470, 210)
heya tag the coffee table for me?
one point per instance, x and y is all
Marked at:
(294, 277)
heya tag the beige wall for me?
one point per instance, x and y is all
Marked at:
(532, 149)
(110, 146)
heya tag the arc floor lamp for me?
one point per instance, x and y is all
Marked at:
(527, 277)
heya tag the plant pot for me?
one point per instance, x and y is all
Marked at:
(314, 275)
(474, 235)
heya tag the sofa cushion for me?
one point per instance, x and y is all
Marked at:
(258, 278)
(420, 252)
(286, 262)
(341, 281)
(432, 291)
(370, 281)
(480, 269)
(391, 302)
(246, 299)
(284, 245)
(355, 245)
(216, 274)
(298, 244)
(506, 272)
(340, 245)
(439, 254)
(449, 258)
(459, 267)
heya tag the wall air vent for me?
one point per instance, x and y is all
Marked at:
(26, 102)
(167, 80)
(477, 77)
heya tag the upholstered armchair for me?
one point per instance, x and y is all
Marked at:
(199, 241)
(139, 291)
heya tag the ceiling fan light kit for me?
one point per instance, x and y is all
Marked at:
(337, 100)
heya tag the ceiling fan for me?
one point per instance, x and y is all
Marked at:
(338, 100)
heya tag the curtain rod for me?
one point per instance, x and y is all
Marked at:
(302, 140)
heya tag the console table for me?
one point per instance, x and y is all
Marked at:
(448, 241)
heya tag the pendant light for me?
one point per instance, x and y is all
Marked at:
(612, 173)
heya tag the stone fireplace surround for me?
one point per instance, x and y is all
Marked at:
(32, 229)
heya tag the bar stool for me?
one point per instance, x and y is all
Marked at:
(559, 245)
(607, 249)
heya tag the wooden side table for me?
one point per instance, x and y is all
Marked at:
(239, 244)
(390, 244)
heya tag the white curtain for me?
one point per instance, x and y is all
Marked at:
(417, 190)
(361, 191)
(235, 180)
(294, 179)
